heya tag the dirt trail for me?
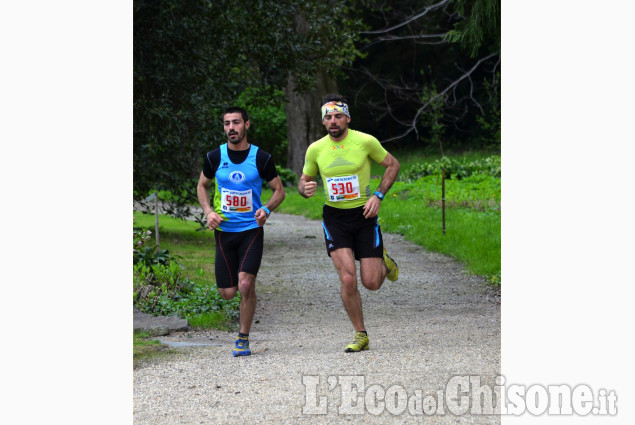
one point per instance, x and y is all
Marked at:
(433, 324)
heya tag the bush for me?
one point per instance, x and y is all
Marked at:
(146, 254)
(161, 290)
(455, 169)
(266, 108)
(159, 287)
(288, 177)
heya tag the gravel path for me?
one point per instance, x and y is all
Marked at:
(433, 324)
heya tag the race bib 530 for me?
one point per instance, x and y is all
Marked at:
(343, 188)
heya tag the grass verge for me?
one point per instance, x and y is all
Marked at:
(194, 250)
(145, 349)
(214, 320)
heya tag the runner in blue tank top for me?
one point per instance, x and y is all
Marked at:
(238, 215)
(238, 190)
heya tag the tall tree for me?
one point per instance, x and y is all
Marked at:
(480, 27)
(431, 71)
(303, 116)
(180, 83)
(193, 58)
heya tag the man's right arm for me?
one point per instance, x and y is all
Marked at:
(307, 186)
(202, 191)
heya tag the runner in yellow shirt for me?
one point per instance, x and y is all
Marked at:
(351, 229)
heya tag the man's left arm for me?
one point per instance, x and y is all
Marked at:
(276, 199)
(371, 208)
(390, 175)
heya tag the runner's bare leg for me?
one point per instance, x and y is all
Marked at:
(247, 288)
(372, 272)
(344, 262)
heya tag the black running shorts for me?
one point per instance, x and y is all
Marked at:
(237, 252)
(348, 228)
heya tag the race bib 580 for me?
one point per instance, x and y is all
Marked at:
(237, 201)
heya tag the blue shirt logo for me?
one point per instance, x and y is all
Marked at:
(237, 176)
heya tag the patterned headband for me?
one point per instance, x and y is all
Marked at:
(334, 106)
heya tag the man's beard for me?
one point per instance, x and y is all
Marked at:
(237, 140)
(338, 132)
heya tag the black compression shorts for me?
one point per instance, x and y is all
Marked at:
(348, 228)
(237, 252)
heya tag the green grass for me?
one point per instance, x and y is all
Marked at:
(471, 237)
(194, 249)
(215, 320)
(145, 349)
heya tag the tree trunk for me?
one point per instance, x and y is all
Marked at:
(304, 124)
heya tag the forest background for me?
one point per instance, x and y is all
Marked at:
(421, 76)
(416, 73)
(68, 111)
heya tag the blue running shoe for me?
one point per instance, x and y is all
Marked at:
(242, 347)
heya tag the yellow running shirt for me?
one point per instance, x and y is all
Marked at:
(344, 167)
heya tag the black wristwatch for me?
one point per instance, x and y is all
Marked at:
(379, 195)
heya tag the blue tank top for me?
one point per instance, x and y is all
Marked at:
(238, 190)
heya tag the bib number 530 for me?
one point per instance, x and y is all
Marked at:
(343, 188)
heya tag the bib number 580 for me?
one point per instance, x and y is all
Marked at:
(236, 201)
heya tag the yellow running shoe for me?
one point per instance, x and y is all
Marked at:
(391, 267)
(359, 343)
